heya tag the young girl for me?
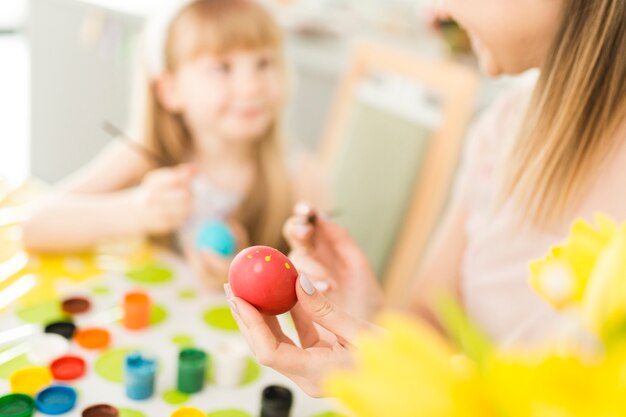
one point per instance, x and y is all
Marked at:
(215, 90)
(541, 157)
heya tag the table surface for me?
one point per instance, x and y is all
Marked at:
(184, 313)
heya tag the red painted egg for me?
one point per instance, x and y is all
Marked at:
(265, 278)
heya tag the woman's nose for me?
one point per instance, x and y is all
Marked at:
(441, 10)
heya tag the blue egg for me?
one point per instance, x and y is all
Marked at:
(216, 236)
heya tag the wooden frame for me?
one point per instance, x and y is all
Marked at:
(456, 85)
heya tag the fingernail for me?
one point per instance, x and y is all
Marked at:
(233, 306)
(302, 209)
(300, 230)
(306, 285)
(228, 291)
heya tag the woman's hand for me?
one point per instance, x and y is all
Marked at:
(324, 252)
(163, 201)
(326, 334)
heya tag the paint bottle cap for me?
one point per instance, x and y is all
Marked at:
(93, 338)
(100, 410)
(68, 368)
(17, 405)
(57, 399)
(75, 305)
(30, 380)
(62, 328)
(188, 412)
(44, 348)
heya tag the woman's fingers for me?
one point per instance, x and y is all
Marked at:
(323, 312)
(338, 238)
(298, 233)
(307, 331)
(314, 270)
(268, 349)
(299, 229)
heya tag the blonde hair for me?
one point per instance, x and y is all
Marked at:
(574, 114)
(216, 27)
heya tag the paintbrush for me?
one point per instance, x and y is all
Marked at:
(312, 218)
(120, 135)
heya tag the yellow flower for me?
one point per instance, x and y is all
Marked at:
(561, 277)
(411, 371)
(604, 305)
(544, 384)
(408, 371)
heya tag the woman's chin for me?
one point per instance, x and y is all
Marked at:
(490, 67)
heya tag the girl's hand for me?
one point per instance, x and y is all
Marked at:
(319, 352)
(211, 267)
(163, 201)
(324, 252)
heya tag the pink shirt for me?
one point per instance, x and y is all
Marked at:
(494, 271)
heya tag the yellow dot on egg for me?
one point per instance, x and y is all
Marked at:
(268, 258)
(249, 256)
(287, 265)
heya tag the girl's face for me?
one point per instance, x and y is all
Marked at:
(235, 96)
(508, 36)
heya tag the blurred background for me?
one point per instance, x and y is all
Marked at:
(67, 65)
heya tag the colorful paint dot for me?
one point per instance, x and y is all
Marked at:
(250, 256)
(125, 412)
(100, 290)
(231, 412)
(42, 313)
(187, 294)
(175, 397)
(7, 368)
(268, 258)
(287, 265)
(182, 340)
(220, 318)
(158, 315)
(110, 365)
(150, 274)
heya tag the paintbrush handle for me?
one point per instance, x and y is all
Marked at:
(120, 135)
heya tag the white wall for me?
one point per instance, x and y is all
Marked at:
(14, 108)
(12, 13)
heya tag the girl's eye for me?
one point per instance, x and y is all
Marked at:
(264, 63)
(221, 68)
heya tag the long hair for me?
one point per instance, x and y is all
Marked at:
(216, 27)
(574, 115)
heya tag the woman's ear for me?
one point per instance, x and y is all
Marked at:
(167, 93)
